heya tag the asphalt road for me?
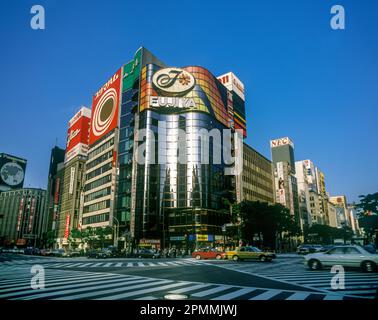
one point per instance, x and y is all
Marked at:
(286, 278)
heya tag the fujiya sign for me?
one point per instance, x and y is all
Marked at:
(172, 102)
(173, 81)
(281, 142)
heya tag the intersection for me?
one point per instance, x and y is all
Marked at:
(151, 279)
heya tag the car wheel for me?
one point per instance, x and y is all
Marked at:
(198, 257)
(235, 258)
(368, 266)
(218, 257)
(263, 258)
(314, 264)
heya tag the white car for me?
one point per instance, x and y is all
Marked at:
(347, 256)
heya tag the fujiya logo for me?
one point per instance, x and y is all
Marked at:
(172, 102)
(173, 80)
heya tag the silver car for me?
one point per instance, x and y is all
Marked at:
(347, 256)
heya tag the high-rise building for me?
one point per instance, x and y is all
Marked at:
(12, 172)
(311, 184)
(22, 213)
(53, 192)
(257, 177)
(73, 175)
(142, 175)
(284, 176)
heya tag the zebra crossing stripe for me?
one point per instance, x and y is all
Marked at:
(119, 264)
(56, 283)
(80, 288)
(147, 298)
(139, 292)
(97, 265)
(130, 264)
(266, 295)
(32, 294)
(235, 294)
(148, 283)
(108, 264)
(192, 288)
(84, 265)
(298, 296)
(162, 264)
(140, 264)
(211, 291)
(333, 297)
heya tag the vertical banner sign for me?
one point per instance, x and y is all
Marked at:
(72, 179)
(105, 108)
(31, 216)
(67, 228)
(280, 183)
(56, 198)
(20, 210)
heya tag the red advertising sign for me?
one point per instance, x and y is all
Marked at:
(67, 228)
(78, 134)
(105, 107)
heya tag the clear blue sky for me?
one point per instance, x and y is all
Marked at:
(302, 79)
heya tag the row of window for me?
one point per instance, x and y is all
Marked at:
(98, 160)
(98, 194)
(99, 171)
(97, 206)
(103, 147)
(96, 219)
(98, 182)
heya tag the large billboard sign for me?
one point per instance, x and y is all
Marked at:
(12, 172)
(183, 89)
(105, 108)
(232, 83)
(281, 142)
(78, 134)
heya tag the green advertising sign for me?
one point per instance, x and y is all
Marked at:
(131, 71)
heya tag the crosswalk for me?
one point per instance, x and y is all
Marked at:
(85, 285)
(356, 283)
(104, 264)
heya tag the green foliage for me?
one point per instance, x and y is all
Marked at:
(264, 220)
(325, 234)
(368, 204)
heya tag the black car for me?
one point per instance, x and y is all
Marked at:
(32, 251)
(98, 254)
(145, 253)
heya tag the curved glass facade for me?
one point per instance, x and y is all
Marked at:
(180, 198)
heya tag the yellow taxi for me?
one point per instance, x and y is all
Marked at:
(249, 252)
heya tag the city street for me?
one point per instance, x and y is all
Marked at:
(286, 278)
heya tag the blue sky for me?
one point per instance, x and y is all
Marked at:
(302, 79)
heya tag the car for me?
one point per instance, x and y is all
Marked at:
(45, 252)
(309, 248)
(32, 251)
(98, 254)
(147, 253)
(346, 256)
(208, 253)
(73, 253)
(59, 253)
(370, 248)
(249, 252)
